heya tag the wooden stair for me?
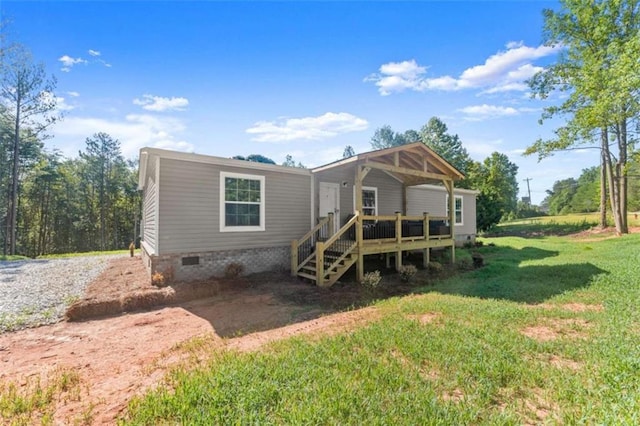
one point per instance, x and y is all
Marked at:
(341, 264)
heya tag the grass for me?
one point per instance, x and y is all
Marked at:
(34, 401)
(12, 257)
(547, 332)
(65, 255)
(556, 225)
(88, 253)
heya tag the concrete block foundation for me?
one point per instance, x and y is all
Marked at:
(202, 265)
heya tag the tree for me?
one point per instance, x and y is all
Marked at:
(559, 198)
(26, 94)
(496, 179)
(256, 158)
(348, 152)
(598, 70)
(289, 162)
(104, 167)
(435, 135)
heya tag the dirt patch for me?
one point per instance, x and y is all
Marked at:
(455, 395)
(599, 234)
(426, 318)
(124, 286)
(121, 356)
(573, 328)
(563, 363)
(572, 307)
(581, 307)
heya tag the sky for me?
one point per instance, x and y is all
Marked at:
(304, 79)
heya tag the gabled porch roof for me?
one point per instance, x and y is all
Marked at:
(412, 164)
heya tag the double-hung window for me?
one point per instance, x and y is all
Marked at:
(241, 202)
(457, 205)
(369, 200)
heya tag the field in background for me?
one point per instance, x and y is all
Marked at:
(556, 225)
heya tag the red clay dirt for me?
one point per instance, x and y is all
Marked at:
(121, 356)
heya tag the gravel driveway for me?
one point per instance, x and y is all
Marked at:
(36, 292)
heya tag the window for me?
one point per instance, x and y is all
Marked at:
(457, 200)
(369, 200)
(241, 202)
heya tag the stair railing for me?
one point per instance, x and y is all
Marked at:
(338, 246)
(302, 250)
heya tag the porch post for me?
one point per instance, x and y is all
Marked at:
(330, 225)
(360, 261)
(404, 199)
(452, 218)
(398, 241)
(320, 264)
(425, 228)
(294, 257)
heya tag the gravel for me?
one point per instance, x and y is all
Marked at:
(37, 292)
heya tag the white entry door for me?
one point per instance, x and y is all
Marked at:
(330, 202)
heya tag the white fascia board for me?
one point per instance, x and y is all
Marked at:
(230, 162)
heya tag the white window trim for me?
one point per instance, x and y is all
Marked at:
(223, 227)
(461, 198)
(368, 188)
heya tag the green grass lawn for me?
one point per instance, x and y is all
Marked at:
(65, 255)
(547, 332)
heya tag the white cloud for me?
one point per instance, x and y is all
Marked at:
(485, 112)
(158, 103)
(398, 76)
(324, 126)
(134, 132)
(62, 105)
(68, 62)
(73, 94)
(504, 71)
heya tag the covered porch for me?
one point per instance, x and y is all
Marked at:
(328, 250)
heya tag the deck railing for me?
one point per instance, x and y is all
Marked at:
(410, 228)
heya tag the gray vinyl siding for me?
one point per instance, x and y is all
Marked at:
(150, 229)
(433, 201)
(190, 208)
(389, 190)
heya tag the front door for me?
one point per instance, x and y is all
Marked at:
(330, 202)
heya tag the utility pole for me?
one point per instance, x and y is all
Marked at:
(528, 189)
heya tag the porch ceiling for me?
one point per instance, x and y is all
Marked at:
(413, 164)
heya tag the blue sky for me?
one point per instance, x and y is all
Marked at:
(303, 78)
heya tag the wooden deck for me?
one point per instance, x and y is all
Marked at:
(323, 255)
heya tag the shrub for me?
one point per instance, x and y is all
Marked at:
(157, 279)
(407, 272)
(478, 260)
(371, 280)
(464, 264)
(435, 267)
(233, 270)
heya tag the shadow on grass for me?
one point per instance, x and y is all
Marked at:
(503, 277)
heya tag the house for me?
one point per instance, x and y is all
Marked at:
(201, 213)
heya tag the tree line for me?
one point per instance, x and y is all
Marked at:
(49, 203)
(582, 195)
